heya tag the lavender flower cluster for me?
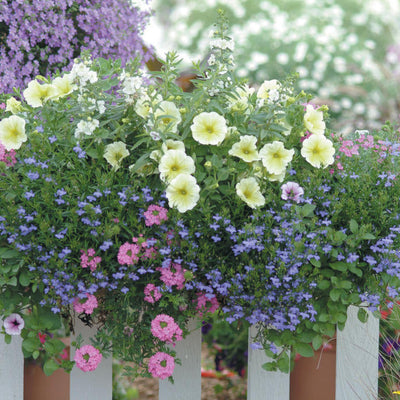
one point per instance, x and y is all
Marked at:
(40, 36)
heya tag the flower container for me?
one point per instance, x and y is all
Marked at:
(38, 386)
(313, 378)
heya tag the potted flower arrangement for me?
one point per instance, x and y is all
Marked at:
(136, 206)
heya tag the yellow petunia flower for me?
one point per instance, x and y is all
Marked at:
(183, 192)
(172, 145)
(209, 128)
(318, 151)
(36, 94)
(313, 120)
(275, 157)
(13, 105)
(115, 153)
(173, 163)
(62, 86)
(12, 132)
(167, 116)
(249, 191)
(246, 149)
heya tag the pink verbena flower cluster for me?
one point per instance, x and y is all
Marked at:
(155, 215)
(8, 157)
(206, 303)
(130, 253)
(173, 275)
(86, 306)
(152, 294)
(37, 37)
(161, 365)
(89, 259)
(166, 329)
(87, 358)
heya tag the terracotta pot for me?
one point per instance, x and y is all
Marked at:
(38, 386)
(314, 378)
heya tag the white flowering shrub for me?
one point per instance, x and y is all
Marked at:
(344, 51)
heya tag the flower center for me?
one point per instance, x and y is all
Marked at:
(14, 132)
(118, 156)
(316, 150)
(247, 194)
(183, 192)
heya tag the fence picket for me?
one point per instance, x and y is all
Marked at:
(187, 377)
(11, 369)
(357, 358)
(95, 385)
(356, 368)
(263, 385)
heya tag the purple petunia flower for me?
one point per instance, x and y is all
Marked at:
(13, 324)
(292, 191)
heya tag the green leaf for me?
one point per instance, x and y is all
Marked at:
(25, 278)
(304, 349)
(368, 236)
(269, 366)
(8, 253)
(308, 210)
(339, 237)
(356, 271)
(54, 346)
(283, 363)
(323, 285)
(345, 284)
(334, 294)
(50, 366)
(223, 174)
(353, 226)
(342, 318)
(31, 344)
(315, 262)
(47, 319)
(362, 315)
(317, 342)
(93, 153)
(306, 337)
(7, 338)
(13, 281)
(338, 266)
(324, 317)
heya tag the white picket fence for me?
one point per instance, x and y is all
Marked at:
(356, 369)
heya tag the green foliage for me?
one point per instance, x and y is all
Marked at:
(97, 153)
